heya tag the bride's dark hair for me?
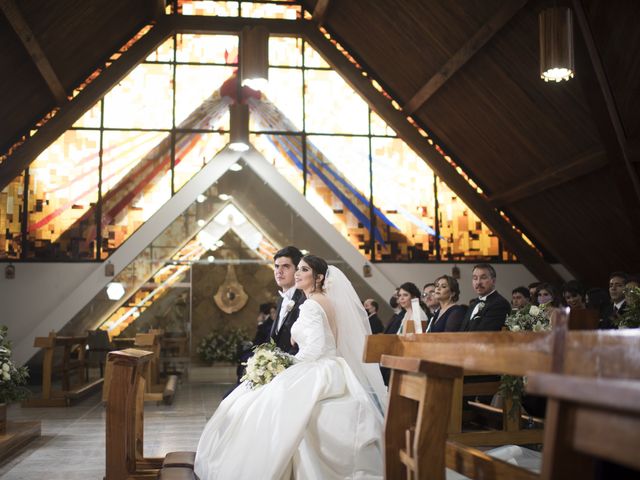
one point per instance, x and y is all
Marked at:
(319, 267)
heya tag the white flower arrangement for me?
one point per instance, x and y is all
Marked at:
(267, 362)
(12, 378)
(530, 318)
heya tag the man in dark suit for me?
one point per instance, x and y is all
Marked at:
(618, 304)
(285, 264)
(371, 306)
(489, 311)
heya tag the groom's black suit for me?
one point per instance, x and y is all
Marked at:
(282, 337)
(490, 317)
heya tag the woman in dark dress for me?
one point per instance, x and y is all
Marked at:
(448, 318)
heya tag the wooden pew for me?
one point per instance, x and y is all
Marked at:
(155, 391)
(588, 419)
(66, 369)
(125, 424)
(586, 353)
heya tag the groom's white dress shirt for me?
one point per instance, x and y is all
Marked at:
(286, 298)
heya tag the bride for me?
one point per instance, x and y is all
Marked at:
(319, 419)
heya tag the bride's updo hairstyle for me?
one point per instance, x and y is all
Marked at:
(319, 267)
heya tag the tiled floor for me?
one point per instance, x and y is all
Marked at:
(72, 445)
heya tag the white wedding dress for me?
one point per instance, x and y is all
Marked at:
(313, 421)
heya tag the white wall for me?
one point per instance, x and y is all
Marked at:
(509, 275)
(35, 291)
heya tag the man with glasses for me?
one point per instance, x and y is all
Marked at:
(428, 298)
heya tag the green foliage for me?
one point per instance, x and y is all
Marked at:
(12, 378)
(222, 345)
(631, 317)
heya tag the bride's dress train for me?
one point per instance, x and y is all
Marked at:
(313, 421)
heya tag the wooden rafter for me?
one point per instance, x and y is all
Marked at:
(320, 11)
(462, 56)
(397, 120)
(552, 177)
(592, 76)
(32, 46)
(75, 108)
(613, 121)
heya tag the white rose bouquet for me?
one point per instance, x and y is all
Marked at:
(267, 362)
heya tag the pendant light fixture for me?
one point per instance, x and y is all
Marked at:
(254, 57)
(556, 44)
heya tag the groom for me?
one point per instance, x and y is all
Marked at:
(285, 264)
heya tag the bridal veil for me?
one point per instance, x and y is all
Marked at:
(352, 325)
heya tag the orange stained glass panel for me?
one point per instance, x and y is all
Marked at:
(63, 192)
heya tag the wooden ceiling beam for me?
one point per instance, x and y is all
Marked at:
(320, 11)
(591, 73)
(398, 121)
(462, 56)
(75, 108)
(552, 177)
(22, 29)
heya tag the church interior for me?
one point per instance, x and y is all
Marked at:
(146, 185)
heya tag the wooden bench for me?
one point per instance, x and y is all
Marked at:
(125, 424)
(585, 353)
(67, 369)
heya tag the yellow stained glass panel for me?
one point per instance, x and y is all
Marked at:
(332, 106)
(207, 48)
(143, 99)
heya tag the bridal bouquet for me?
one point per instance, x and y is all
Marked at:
(267, 362)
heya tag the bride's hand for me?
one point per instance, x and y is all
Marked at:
(293, 344)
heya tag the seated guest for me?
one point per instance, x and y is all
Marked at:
(449, 315)
(407, 292)
(547, 296)
(598, 299)
(573, 294)
(489, 311)
(371, 306)
(533, 292)
(617, 304)
(398, 314)
(520, 297)
(428, 299)
(265, 322)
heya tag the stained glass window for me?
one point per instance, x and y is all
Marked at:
(169, 117)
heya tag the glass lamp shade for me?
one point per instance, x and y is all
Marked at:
(254, 57)
(115, 291)
(239, 118)
(556, 44)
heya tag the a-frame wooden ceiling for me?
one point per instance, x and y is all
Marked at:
(560, 160)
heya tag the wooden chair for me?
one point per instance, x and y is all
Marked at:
(125, 424)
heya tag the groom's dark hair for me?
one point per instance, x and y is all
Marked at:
(290, 252)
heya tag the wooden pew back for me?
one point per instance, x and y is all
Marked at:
(125, 417)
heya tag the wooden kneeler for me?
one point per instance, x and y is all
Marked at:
(417, 392)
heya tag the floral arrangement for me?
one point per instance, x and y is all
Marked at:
(267, 362)
(222, 345)
(531, 318)
(631, 317)
(12, 379)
